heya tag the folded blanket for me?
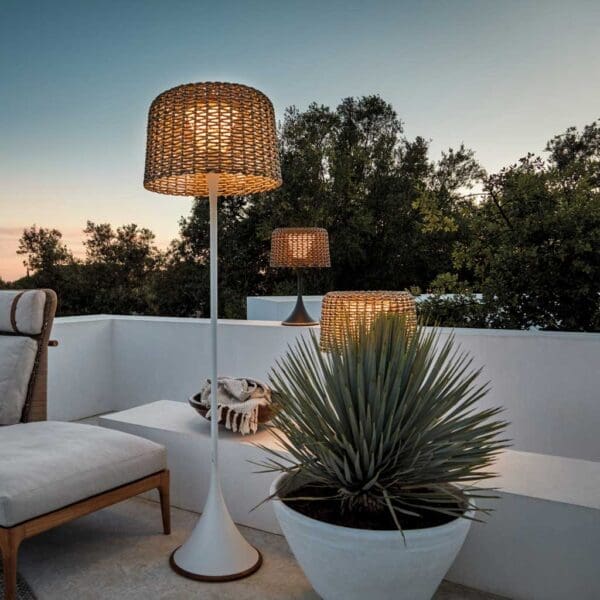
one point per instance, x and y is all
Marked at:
(240, 400)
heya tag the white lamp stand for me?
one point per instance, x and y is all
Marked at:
(216, 550)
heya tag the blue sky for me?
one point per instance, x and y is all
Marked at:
(77, 78)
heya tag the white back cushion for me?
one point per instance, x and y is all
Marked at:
(17, 357)
(27, 308)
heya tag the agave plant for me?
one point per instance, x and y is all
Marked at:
(389, 422)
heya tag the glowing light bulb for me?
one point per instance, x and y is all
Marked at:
(211, 125)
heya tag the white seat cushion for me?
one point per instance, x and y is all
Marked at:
(17, 357)
(26, 308)
(48, 465)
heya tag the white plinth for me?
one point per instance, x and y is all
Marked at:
(186, 435)
(543, 539)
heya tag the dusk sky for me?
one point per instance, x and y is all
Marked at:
(77, 79)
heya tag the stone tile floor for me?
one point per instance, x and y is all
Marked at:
(120, 553)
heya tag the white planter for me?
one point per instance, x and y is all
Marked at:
(359, 564)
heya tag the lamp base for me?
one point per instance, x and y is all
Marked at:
(216, 550)
(299, 317)
(215, 578)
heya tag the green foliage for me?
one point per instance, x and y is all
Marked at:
(44, 249)
(243, 257)
(459, 310)
(114, 277)
(535, 243)
(49, 263)
(448, 283)
(452, 303)
(389, 423)
(577, 154)
(118, 265)
(180, 289)
(392, 214)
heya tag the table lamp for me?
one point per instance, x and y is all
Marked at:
(211, 139)
(343, 312)
(300, 248)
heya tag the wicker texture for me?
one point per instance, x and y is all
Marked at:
(342, 312)
(35, 408)
(202, 128)
(300, 247)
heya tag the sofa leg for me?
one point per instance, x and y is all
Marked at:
(165, 502)
(10, 539)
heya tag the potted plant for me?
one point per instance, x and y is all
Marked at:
(381, 443)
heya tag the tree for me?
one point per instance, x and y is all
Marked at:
(535, 246)
(241, 252)
(49, 263)
(116, 275)
(351, 171)
(43, 249)
(445, 207)
(119, 267)
(576, 154)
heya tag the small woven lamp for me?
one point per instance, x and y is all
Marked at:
(342, 313)
(210, 139)
(300, 248)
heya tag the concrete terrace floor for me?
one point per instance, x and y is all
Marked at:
(120, 553)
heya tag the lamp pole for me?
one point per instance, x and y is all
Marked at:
(216, 550)
(213, 187)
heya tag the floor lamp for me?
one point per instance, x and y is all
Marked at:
(211, 139)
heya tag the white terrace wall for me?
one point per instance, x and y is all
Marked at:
(80, 369)
(548, 383)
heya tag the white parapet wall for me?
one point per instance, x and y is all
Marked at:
(81, 373)
(541, 542)
(548, 383)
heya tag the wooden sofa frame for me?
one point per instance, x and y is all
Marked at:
(35, 409)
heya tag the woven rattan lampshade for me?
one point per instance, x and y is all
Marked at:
(202, 128)
(300, 247)
(342, 312)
